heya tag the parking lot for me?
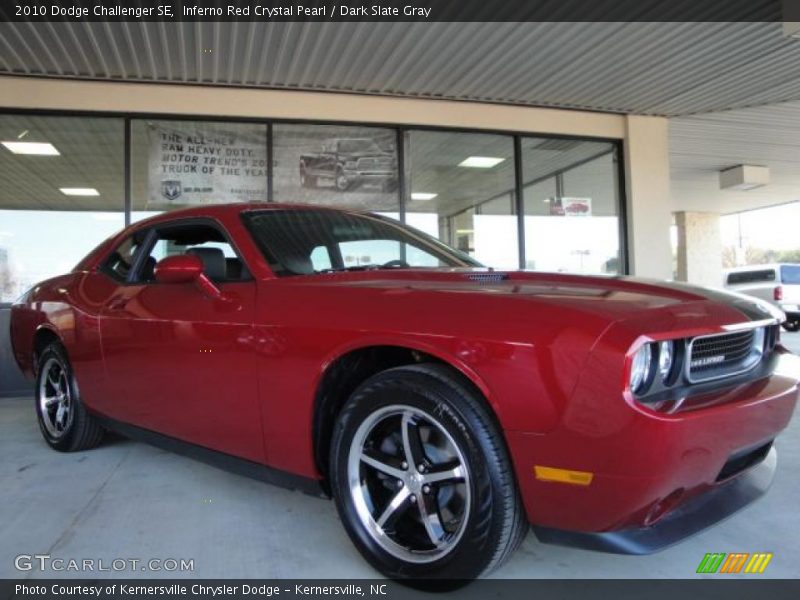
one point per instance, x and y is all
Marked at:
(126, 500)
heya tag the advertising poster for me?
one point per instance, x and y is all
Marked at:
(189, 167)
(565, 206)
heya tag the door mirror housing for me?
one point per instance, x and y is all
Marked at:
(187, 268)
(183, 268)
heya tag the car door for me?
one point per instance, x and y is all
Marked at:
(181, 362)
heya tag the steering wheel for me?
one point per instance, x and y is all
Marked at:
(395, 264)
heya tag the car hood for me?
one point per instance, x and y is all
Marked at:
(611, 298)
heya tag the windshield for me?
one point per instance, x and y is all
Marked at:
(306, 241)
(358, 146)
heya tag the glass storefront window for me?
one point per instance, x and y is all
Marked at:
(345, 166)
(571, 200)
(177, 164)
(61, 194)
(460, 188)
(62, 189)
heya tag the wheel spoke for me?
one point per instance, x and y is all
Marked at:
(450, 473)
(412, 444)
(381, 463)
(54, 383)
(60, 414)
(429, 512)
(396, 505)
(49, 401)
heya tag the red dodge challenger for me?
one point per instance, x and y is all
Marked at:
(443, 405)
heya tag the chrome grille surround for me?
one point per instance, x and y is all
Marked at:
(727, 354)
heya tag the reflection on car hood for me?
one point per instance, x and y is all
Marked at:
(616, 298)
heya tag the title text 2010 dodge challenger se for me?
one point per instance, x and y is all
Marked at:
(443, 405)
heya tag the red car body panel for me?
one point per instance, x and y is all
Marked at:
(549, 352)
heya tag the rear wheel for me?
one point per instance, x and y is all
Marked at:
(65, 424)
(422, 479)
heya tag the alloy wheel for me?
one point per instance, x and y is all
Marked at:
(410, 483)
(55, 398)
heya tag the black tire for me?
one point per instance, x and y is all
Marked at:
(493, 525)
(80, 430)
(791, 326)
(340, 182)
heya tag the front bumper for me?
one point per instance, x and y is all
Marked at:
(655, 477)
(690, 518)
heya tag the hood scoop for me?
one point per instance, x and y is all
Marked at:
(491, 277)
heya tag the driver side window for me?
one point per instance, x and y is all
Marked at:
(220, 261)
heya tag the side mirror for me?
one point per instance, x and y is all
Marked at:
(182, 268)
(187, 268)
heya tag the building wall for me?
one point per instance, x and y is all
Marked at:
(67, 95)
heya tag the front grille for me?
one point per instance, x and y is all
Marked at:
(714, 356)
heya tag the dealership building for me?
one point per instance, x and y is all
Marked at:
(598, 148)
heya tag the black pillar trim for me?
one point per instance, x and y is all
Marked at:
(519, 199)
(128, 200)
(270, 192)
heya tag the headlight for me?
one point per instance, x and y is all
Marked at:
(640, 368)
(666, 358)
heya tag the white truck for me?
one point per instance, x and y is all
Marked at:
(778, 284)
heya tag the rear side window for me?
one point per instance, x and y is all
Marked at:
(790, 274)
(751, 276)
(119, 263)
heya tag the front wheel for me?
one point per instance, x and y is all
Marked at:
(65, 424)
(341, 181)
(421, 477)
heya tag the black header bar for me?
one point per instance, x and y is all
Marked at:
(742, 588)
(402, 10)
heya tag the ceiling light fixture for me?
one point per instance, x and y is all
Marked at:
(36, 148)
(423, 196)
(79, 191)
(480, 162)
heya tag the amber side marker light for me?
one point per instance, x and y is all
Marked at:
(562, 475)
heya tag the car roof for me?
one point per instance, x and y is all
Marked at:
(226, 210)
